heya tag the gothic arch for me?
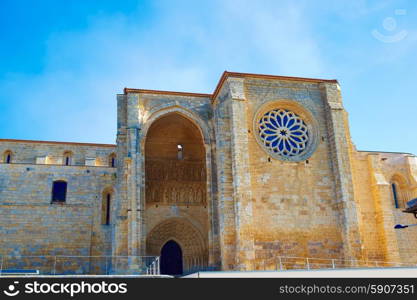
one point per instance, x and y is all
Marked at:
(191, 116)
(206, 134)
(184, 233)
(400, 179)
(168, 175)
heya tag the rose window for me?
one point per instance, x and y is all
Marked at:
(283, 132)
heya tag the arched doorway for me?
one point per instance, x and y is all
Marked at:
(194, 254)
(171, 259)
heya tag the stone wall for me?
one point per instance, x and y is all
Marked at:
(230, 203)
(295, 203)
(174, 191)
(374, 173)
(30, 224)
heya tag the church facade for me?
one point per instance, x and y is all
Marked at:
(262, 169)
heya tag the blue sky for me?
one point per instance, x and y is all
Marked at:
(63, 62)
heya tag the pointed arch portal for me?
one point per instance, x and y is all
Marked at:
(191, 243)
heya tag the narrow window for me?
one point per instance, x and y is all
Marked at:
(180, 153)
(67, 158)
(108, 209)
(105, 213)
(59, 191)
(395, 194)
(7, 158)
(112, 160)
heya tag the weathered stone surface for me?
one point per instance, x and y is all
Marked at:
(224, 199)
(30, 224)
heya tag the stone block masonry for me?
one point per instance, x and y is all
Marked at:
(263, 168)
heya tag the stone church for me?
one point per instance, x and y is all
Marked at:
(263, 168)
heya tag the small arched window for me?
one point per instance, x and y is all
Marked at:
(399, 191)
(67, 158)
(180, 153)
(395, 194)
(59, 191)
(112, 160)
(7, 157)
(105, 208)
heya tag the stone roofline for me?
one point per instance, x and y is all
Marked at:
(386, 152)
(223, 78)
(225, 75)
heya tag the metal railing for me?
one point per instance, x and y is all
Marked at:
(153, 268)
(150, 265)
(308, 263)
(83, 265)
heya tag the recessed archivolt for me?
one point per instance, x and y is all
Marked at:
(168, 178)
(399, 179)
(148, 120)
(191, 241)
(401, 191)
(108, 190)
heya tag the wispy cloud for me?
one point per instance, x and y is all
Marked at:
(74, 97)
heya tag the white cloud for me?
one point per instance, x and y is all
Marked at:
(183, 48)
